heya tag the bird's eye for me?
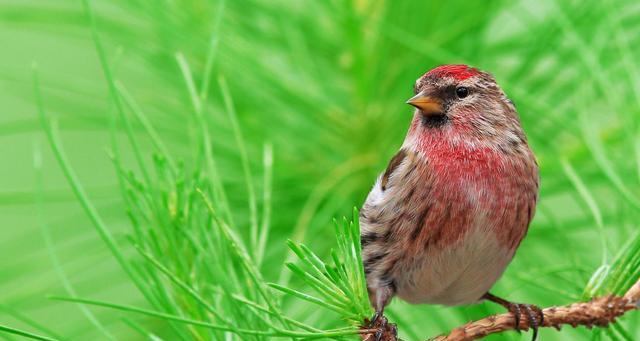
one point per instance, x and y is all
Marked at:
(462, 92)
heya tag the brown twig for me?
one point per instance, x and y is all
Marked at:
(599, 311)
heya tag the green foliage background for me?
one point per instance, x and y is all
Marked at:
(321, 84)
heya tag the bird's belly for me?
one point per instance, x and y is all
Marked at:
(456, 274)
(443, 236)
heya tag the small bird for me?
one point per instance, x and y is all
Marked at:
(445, 218)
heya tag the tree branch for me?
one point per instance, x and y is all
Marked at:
(599, 311)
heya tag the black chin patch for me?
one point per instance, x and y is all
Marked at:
(434, 121)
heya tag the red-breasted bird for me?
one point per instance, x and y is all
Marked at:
(445, 218)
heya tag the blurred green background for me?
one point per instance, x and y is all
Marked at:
(324, 83)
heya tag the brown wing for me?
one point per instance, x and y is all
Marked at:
(393, 164)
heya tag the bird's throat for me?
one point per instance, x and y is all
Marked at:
(434, 121)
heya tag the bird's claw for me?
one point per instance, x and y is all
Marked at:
(384, 329)
(533, 313)
(382, 325)
(378, 335)
(374, 319)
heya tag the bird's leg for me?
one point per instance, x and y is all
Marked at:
(381, 297)
(533, 313)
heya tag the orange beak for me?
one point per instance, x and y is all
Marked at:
(429, 106)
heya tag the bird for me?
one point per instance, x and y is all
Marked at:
(445, 218)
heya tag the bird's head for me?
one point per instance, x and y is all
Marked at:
(462, 103)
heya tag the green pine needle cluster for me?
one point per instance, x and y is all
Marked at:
(341, 287)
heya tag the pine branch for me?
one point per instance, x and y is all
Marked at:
(600, 311)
